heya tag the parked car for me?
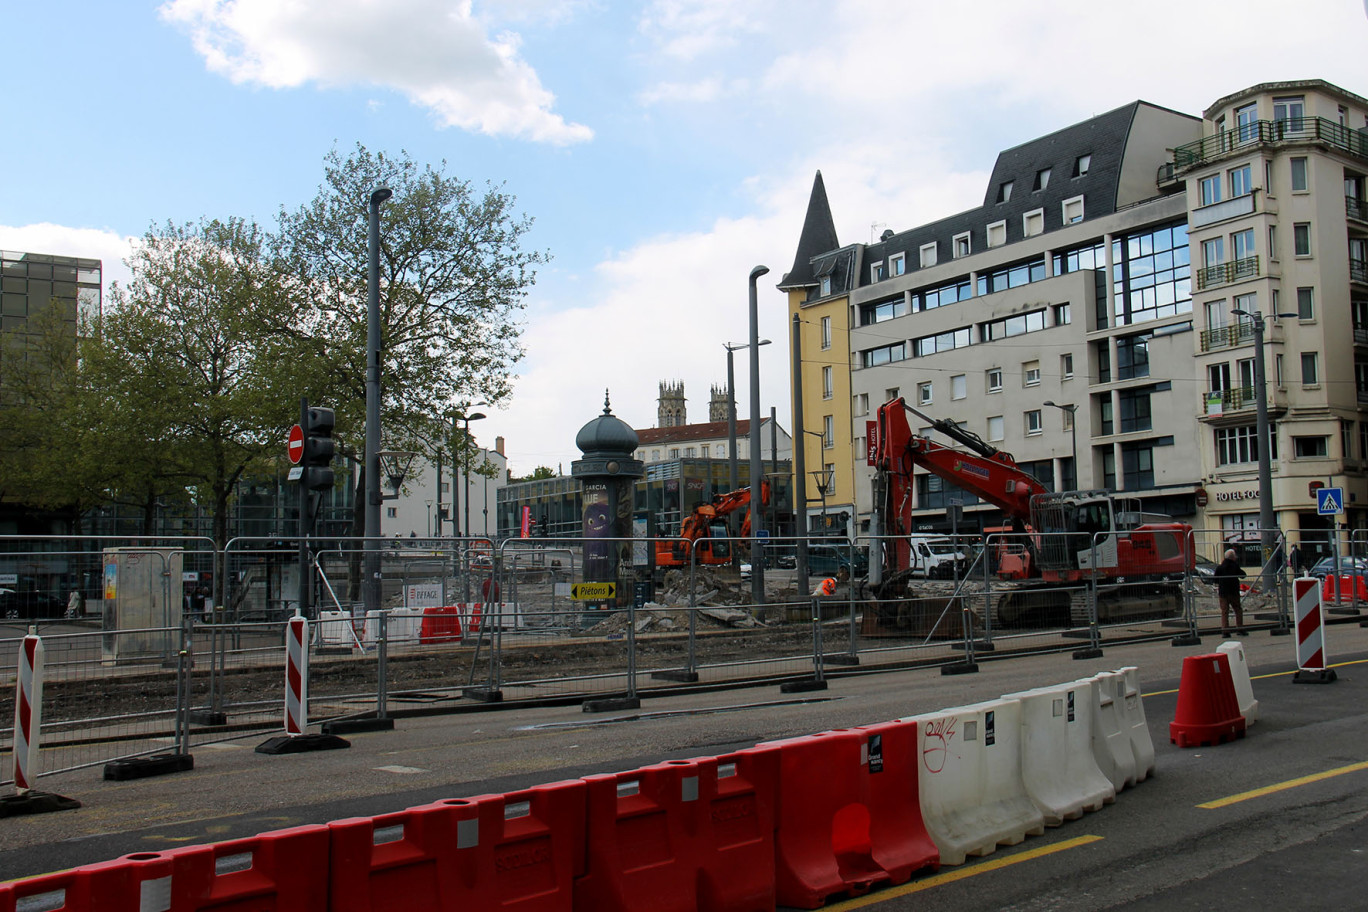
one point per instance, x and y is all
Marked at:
(1204, 570)
(1348, 566)
(29, 604)
(830, 560)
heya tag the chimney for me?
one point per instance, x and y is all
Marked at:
(499, 445)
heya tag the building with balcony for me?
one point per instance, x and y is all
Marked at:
(1278, 226)
(1090, 303)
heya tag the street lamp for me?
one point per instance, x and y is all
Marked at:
(465, 478)
(732, 479)
(1073, 433)
(370, 590)
(1267, 522)
(757, 516)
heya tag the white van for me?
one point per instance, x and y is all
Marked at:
(934, 556)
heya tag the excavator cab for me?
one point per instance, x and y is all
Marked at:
(1076, 530)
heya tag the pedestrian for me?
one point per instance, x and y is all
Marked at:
(1295, 559)
(75, 604)
(1228, 576)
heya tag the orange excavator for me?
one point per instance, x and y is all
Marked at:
(1059, 541)
(705, 530)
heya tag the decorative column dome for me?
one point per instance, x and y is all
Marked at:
(608, 444)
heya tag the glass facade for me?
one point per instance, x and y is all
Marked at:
(1151, 275)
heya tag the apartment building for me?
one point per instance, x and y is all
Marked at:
(1082, 318)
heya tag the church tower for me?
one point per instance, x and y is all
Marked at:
(672, 405)
(717, 405)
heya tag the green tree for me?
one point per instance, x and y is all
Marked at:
(540, 473)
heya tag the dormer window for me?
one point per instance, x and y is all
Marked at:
(1042, 179)
(826, 286)
(1004, 191)
(1081, 165)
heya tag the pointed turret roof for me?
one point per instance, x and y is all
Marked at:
(818, 237)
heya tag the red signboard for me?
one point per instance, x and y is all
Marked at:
(295, 444)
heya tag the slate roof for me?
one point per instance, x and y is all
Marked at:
(686, 433)
(818, 237)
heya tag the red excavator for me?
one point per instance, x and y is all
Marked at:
(705, 530)
(1059, 541)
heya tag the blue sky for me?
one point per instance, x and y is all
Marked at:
(664, 147)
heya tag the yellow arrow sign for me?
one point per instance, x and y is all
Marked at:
(593, 591)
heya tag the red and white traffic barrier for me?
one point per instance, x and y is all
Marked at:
(1307, 594)
(296, 676)
(28, 713)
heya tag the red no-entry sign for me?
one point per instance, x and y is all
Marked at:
(295, 444)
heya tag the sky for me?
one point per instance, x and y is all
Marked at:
(663, 148)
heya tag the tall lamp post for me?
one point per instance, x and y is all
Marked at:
(370, 589)
(732, 472)
(1267, 522)
(757, 516)
(465, 478)
(1073, 434)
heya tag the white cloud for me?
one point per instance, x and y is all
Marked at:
(60, 240)
(689, 29)
(700, 92)
(436, 52)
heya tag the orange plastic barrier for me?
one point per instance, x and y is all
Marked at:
(286, 869)
(848, 813)
(519, 851)
(682, 835)
(1208, 710)
(440, 625)
(1345, 588)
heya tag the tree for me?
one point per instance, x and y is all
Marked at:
(540, 473)
(453, 276)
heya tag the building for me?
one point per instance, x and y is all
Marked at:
(1065, 308)
(426, 507)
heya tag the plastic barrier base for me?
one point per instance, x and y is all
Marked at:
(352, 726)
(1208, 710)
(35, 803)
(1314, 676)
(298, 744)
(806, 685)
(142, 767)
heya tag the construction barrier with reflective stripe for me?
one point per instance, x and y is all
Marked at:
(28, 713)
(1057, 762)
(973, 798)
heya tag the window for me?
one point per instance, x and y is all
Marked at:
(1306, 305)
(1004, 191)
(1241, 184)
(862, 404)
(897, 264)
(1299, 181)
(1310, 447)
(946, 341)
(1134, 406)
(1073, 210)
(928, 254)
(878, 311)
(924, 396)
(1151, 276)
(826, 382)
(1132, 356)
(689, 453)
(1012, 326)
(391, 512)
(1081, 165)
(1033, 423)
(997, 234)
(995, 428)
(1106, 423)
(1063, 315)
(1066, 366)
(1137, 466)
(1211, 189)
(1042, 179)
(1301, 239)
(1289, 111)
(873, 357)
(1247, 123)
(959, 386)
(1237, 445)
(1216, 314)
(1213, 252)
(1030, 373)
(1249, 303)
(1104, 371)
(1310, 368)
(993, 379)
(890, 394)
(1242, 244)
(961, 245)
(825, 286)
(876, 272)
(1011, 276)
(828, 432)
(707, 451)
(1033, 223)
(674, 452)
(1273, 243)
(826, 332)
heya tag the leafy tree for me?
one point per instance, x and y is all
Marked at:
(540, 473)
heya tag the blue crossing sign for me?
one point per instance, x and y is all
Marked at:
(1329, 501)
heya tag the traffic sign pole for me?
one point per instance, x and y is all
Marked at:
(305, 577)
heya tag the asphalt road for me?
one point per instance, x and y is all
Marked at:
(1297, 846)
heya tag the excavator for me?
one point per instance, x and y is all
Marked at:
(1058, 541)
(705, 530)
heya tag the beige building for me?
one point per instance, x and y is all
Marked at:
(1086, 306)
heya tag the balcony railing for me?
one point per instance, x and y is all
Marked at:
(1358, 271)
(1227, 336)
(1219, 212)
(1225, 273)
(1360, 334)
(1217, 402)
(1261, 132)
(1356, 208)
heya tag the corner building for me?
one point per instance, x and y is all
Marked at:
(1085, 280)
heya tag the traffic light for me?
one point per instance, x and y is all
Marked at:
(318, 449)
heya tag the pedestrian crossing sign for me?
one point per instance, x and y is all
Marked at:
(1329, 501)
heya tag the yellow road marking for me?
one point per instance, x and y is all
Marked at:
(936, 880)
(1283, 786)
(1275, 674)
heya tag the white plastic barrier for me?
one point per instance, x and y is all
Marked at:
(1239, 675)
(1110, 737)
(1057, 762)
(402, 626)
(335, 629)
(1134, 722)
(973, 798)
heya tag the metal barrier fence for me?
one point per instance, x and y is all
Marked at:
(471, 619)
